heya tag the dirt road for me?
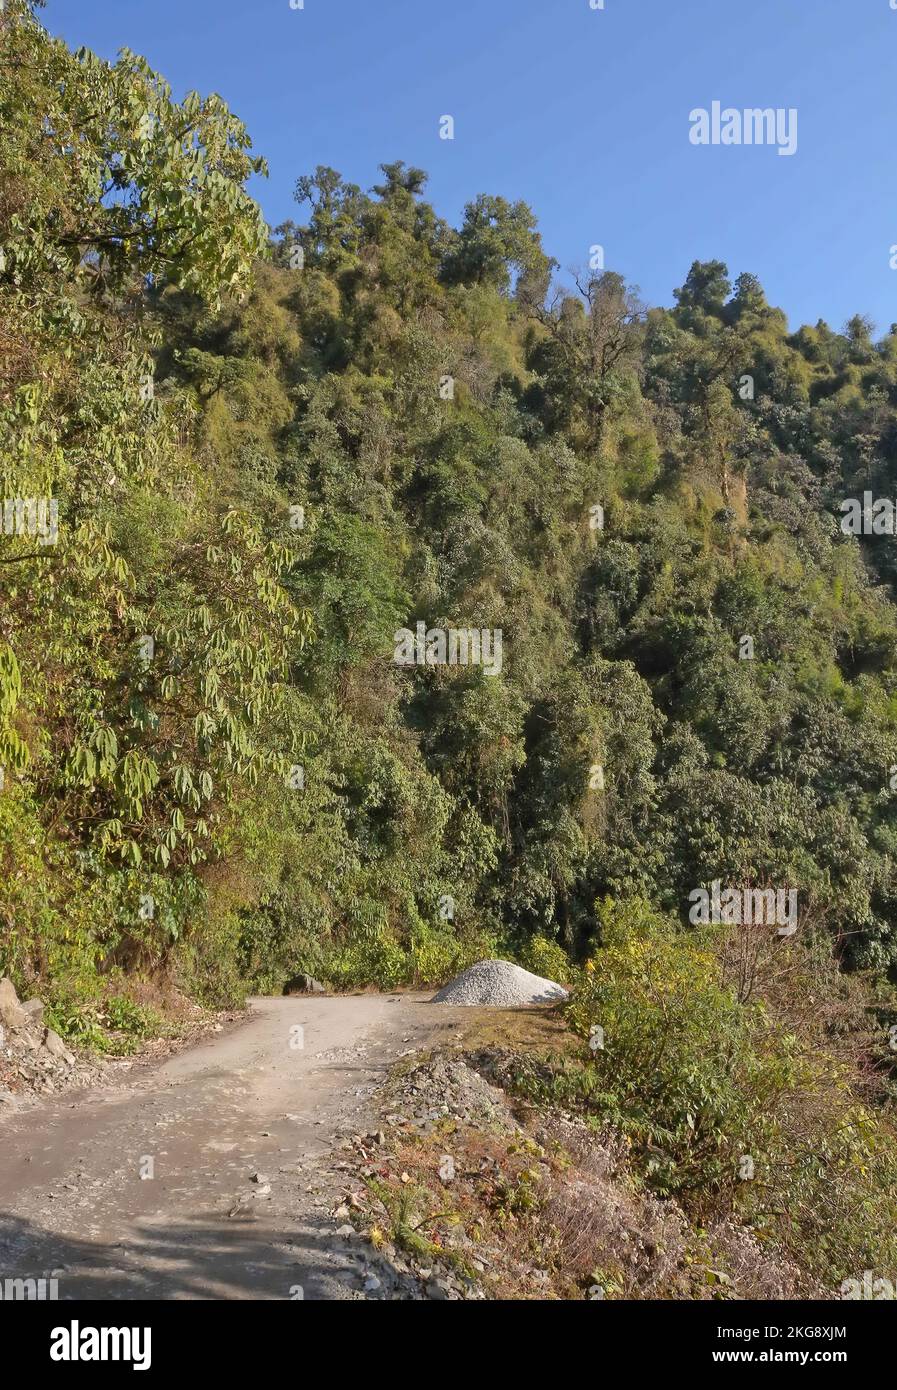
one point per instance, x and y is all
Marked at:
(148, 1191)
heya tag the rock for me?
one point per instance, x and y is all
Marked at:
(438, 1289)
(372, 1284)
(257, 1177)
(34, 1008)
(304, 984)
(57, 1048)
(12, 1015)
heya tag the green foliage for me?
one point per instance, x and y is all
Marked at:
(701, 1085)
(690, 1075)
(114, 1025)
(497, 237)
(145, 647)
(156, 190)
(548, 959)
(214, 770)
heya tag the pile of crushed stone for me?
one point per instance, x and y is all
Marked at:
(499, 984)
(447, 1088)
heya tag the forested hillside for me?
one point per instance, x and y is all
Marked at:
(271, 452)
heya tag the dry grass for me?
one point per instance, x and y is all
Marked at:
(534, 1029)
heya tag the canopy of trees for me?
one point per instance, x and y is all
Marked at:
(271, 451)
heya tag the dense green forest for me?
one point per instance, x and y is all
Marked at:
(236, 462)
(271, 451)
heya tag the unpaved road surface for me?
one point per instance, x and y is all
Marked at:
(147, 1191)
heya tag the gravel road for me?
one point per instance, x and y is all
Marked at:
(215, 1173)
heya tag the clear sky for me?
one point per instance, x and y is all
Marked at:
(583, 113)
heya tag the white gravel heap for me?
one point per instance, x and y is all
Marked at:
(499, 984)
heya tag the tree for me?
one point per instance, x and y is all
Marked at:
(497, 239)
(592, 343)
(117, 181)
(704, 293)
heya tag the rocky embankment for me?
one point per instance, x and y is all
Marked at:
(467, 1194)
(34, 1060)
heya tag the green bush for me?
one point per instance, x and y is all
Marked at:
(113, 1025)
(688, 1074)
(699, 1083)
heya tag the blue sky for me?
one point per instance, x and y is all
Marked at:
(583, 113)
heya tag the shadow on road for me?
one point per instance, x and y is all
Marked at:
(206, 1258)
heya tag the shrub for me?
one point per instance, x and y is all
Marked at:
(685, 1071)
(699, 1083)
